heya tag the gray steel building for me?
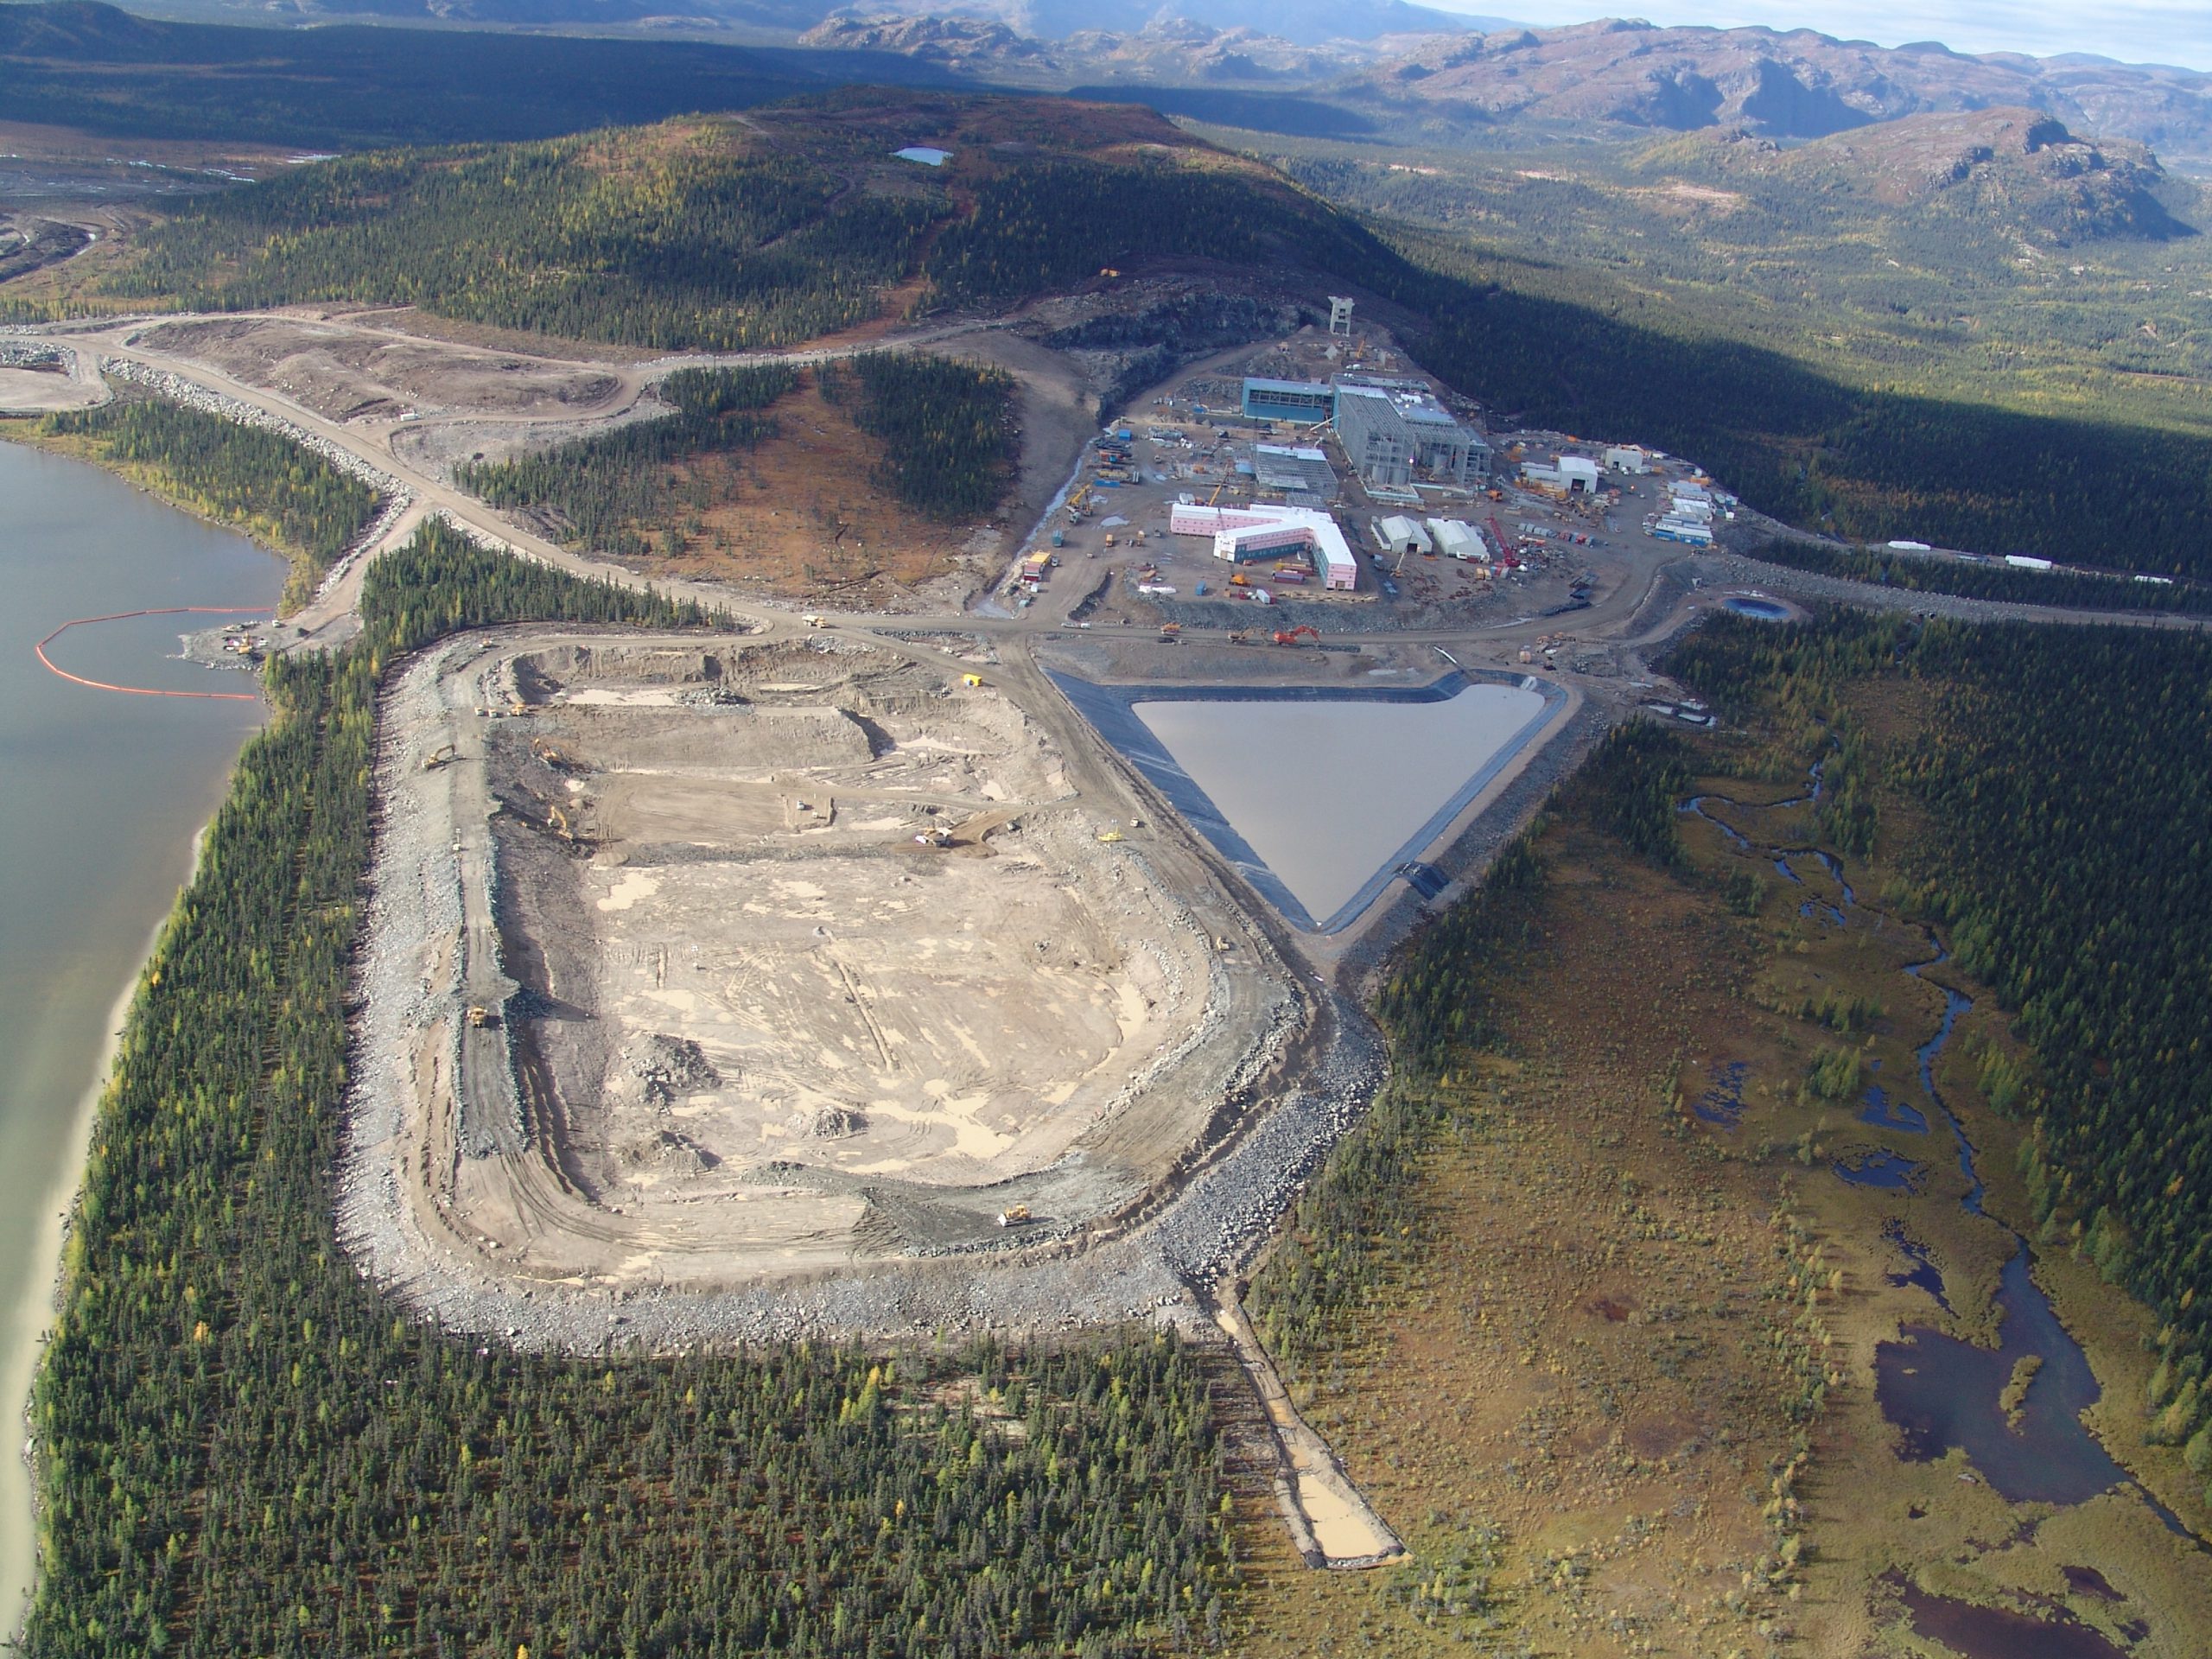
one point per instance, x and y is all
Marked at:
(1396, 434)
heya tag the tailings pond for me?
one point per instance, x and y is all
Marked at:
(105, 794)
(1317, 795)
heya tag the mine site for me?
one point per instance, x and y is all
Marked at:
(983, 947)
(759, 959)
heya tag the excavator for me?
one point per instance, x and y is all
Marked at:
(1291, 636)
(555, 757)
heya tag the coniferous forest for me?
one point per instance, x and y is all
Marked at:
(2069, 771)
(658, 237)
(243, 1449)
(600, 491)
(1919, 573)
(687, 235)
(947, 427)
(263, 482)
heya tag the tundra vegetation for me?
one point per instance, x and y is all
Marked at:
(1585, 1280)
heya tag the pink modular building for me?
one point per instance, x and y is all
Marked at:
(1244, 534)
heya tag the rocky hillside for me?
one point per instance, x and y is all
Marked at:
(1614, 74)
(1173, 52)
(2019, 170)
(1800, 85)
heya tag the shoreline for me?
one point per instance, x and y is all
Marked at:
(30, 1323)
(145, 477)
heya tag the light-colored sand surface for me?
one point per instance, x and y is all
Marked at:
(1326, 792)
(741, 1021)
(32, 391)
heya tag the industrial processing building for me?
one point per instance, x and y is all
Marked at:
(1396, 434)
(1242, 535)
(1306, 403)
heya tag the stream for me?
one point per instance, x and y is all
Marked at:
(1939, 1391)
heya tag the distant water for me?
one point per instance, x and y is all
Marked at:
(100, 797)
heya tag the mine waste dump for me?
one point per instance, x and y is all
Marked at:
(704, 961)
(1318, 795)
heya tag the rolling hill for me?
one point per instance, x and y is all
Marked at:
(780, 224)
(732, 231)
(2014, 170)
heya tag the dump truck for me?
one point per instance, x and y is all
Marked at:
(479, 1016)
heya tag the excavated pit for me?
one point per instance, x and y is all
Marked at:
(704, 962)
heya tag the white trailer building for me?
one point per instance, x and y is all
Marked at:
(1242, 534)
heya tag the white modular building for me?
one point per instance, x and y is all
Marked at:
(1627, 458)
(1242, 535)
(1694, 532)
(1687, 501)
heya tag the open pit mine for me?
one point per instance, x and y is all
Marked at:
(749, 979)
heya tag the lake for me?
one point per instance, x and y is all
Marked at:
(103, 796)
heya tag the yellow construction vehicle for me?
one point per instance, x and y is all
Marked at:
(445, 756)
(971, 679)
(1107, 837)
(555, 757)
(478, 1016)
(1013, 1215)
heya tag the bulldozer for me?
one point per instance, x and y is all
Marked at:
(1013, 1215)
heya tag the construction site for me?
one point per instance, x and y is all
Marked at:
(724, 964)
